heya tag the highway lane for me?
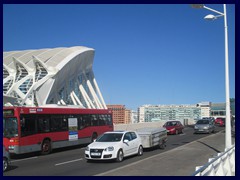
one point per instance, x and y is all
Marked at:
(71, 161)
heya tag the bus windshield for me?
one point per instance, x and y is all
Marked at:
(10, 127)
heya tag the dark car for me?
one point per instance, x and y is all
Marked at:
(6, 159)
(174, 127)
(220, 121)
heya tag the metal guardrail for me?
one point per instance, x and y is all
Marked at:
(222, 165)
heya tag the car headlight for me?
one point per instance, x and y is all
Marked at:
(110, 148)
(87, 148)
(195, 127)
(173, 129)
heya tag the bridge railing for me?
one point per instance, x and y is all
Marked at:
(222, 165)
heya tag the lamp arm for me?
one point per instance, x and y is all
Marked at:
(210, 9)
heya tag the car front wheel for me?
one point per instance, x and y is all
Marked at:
(120, 156)
(5, 164)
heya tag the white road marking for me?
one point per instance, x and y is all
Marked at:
(182, 134)
(24, 159)
(68, 162)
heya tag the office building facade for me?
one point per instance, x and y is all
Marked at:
(153, 113)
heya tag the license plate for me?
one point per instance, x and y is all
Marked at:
(95, 154)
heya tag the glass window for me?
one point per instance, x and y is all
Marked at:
(94, 120)
(59, 123)
(134, 136)
(127, 136)
(28, 125)
(102, 120)
(43, 124)
(86, 120)
(10, 127)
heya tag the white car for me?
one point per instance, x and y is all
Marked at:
(114, 145)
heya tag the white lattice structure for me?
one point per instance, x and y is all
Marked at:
(52, 76)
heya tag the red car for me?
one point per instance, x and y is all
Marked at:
(174, 127)
(220, 121)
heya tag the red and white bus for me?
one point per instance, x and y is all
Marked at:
(32, 129)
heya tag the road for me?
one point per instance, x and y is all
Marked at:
(71, 161)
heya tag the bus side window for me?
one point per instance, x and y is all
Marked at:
(43, 124)
(109, 120)
(94, 120)
(102, 120)
(64, 124)
(79, 118)
(86, 121)
(28, 125)
(59, 123)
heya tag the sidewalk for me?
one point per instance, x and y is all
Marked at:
(180, 161)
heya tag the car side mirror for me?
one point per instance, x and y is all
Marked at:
(125, 140)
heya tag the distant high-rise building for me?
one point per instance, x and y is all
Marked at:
(134, 116)
(120, 115)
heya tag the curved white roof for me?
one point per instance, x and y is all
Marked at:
(51, 56)
(51, 75)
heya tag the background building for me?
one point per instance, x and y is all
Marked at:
(219, 109)
(153, 113)
(121, 115)
(51, 76)
(134, 116)
(205, 109)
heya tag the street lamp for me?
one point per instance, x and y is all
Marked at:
(228, 139)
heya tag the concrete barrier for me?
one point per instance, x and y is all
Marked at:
(136, 126)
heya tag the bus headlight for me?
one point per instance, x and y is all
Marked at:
(11, 147)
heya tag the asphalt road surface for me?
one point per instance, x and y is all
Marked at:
(71, 161)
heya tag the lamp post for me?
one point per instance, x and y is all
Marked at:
(228, 139)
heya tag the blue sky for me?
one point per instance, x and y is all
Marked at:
(144, 54)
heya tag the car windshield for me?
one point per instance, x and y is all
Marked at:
(203, 122)
(110, 137)
(173, 123)
(10, 127)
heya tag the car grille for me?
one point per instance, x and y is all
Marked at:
(96, 153)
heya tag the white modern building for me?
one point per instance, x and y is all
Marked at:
(156, 113)
(205, 109)
(51, 76)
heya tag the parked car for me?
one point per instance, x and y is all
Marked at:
(204, 126)
(220, 121)
(209, 118)
(6, 159)
(114, 145)
(174, 127)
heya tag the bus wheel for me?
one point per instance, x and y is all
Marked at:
(46, 147)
